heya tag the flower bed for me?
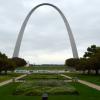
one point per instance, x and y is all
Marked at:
(43, 76)
(38, 87)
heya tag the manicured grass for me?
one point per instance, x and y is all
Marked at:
(44, 76)
(38, 87)
(8, 76)
(36, 84)
(6, 92)
(86, 93)
(91, 78)
(43, 68)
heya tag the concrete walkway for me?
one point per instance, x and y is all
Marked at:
(11, 80)
(97, 87)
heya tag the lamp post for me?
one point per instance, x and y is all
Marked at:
(45, 96)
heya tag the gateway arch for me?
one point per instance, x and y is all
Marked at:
(20, 35)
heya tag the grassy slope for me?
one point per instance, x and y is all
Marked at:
(91, 78)
(43, 68)
(85, 93)
(8, 76)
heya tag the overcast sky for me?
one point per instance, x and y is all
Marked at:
(46, 39)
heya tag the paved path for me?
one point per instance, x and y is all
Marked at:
(9, 81)
(85, 83)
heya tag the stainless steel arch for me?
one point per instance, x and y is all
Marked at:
(19, 39)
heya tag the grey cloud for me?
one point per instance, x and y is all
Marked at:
(45, 32)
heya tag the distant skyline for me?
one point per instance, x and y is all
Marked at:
(45, 39)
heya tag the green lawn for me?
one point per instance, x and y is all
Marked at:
(91, 78)
(44, 76)
(43, 68)
(8, 76)
(86, 93)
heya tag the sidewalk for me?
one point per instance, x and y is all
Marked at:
(9, 81)
(97, 87)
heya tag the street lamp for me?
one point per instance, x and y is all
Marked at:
(45, 96)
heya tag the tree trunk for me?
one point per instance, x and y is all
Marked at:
(89, 71)
(96, 71)
(83, 71)
(5, 72)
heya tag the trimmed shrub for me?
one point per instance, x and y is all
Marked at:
(52, 87)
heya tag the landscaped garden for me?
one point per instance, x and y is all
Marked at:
(6, 93)
(43, 76)
(37, 84)
(58, 87)
(52, 87)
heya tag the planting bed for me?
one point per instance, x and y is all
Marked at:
(38, 87)
(43, 76)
